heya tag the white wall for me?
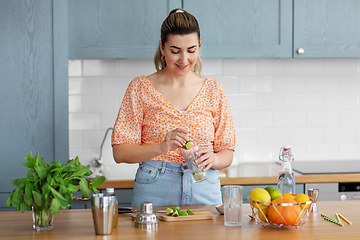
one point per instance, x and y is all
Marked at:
(311, 104)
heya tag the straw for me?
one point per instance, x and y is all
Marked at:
(331, 220)
(338, 218)
(344, 219)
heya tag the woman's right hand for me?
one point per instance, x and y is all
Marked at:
(174, 139)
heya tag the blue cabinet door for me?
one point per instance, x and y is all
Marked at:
(243, 28)
(116, 29)
(33, 86)
(327, 28)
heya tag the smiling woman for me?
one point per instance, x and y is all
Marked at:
(163, 111)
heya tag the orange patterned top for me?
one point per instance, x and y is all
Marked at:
(145, 116)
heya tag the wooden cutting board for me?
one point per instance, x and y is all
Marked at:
(199, 214)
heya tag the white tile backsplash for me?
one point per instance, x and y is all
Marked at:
(306, 100)
(289, 84)
(306, 67)
(340, 100)
(343, 67)
(99, 67)
(311, 104)
(239, 67)
(323, 84)
(323, 117)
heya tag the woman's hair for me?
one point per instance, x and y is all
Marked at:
(179, 22)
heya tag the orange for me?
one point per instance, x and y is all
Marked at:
(288, 195)
(286, 215)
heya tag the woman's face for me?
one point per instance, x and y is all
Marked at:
(181, 53)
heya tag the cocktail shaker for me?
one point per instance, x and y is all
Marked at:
(103, 211)
(146, 218)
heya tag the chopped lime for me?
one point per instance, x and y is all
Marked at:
(176, 213)
(176, 208)
(183, 213)
(169, 211)
(190, 212)
(188, 145)
(198, 174)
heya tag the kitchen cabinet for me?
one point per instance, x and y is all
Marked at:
(116, 29)
(242, 28)
(33, 86)
(229, 29)
(327, 28)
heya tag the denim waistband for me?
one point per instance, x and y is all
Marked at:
(166, 166)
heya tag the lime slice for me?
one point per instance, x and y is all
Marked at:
(183, 213)
(190, 212)
(169, 211)
(176, 208)
(198, 174)
(188, 145)
(176, 213)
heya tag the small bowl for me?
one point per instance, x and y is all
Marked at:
(302, 217)
(220, 208)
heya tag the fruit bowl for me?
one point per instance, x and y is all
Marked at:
(282, 215)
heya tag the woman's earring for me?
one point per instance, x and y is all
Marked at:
(163, 58)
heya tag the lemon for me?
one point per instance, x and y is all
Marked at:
(263, 215)
(188, 145)
(259, 195)
(275, 193)
(303, 198)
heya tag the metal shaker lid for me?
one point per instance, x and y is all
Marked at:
(146, 218)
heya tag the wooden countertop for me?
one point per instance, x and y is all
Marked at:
(78, 224)
(256, 174)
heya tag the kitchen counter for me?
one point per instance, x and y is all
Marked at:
(77, 224)
(256, 174)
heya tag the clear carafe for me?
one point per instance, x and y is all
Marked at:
(286, 178)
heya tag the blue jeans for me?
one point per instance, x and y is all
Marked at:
(171, 184)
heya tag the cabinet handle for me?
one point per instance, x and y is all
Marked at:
(300, 51)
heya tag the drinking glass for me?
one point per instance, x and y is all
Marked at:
(190, 156)
(233, 199)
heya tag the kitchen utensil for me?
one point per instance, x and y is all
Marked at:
(146, 218)
(220, 208)
(314, 195)
(233, 195)
(103, 211)
(126, 210)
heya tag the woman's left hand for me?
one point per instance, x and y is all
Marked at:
(207, 158)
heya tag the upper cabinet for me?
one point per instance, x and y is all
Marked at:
(116, 29)
(229, 28)
(243, 28)
(327, 28)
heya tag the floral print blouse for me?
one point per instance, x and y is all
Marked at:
(146, 116)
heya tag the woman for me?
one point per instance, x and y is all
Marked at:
(163, 111)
